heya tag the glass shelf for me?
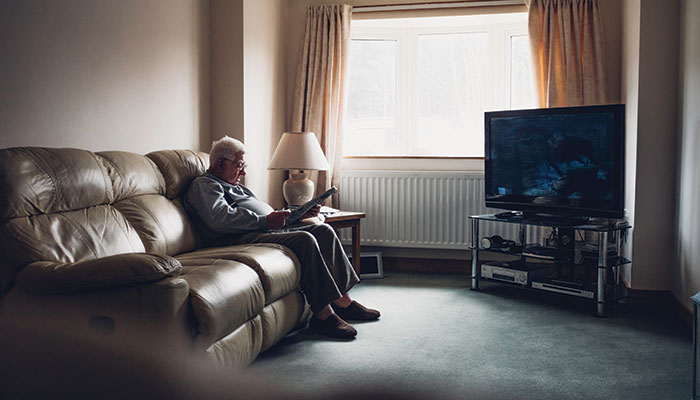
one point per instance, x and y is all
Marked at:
(577, 269)
(584, 225)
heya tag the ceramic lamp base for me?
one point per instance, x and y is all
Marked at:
(298, 189)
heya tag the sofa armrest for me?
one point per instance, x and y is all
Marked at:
(150, 314)
(106, 272)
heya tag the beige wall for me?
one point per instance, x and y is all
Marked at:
(226, 47)
(248, 84)
(264, 94)
(686, 272)
(629, 96)
(128, 75)
(654, 95)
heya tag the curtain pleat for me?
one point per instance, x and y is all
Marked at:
(319, 93)
(568, 52)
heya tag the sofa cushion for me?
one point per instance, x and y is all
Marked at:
(162, 224)
(281, 316)
(179, 167)
(69, 236)
(276, 265)
(224, 295)
(132, 174)
(44, 181)
(101, 273)
(238, 350)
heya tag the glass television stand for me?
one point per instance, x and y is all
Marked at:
(580, 258)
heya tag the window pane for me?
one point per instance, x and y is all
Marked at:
(370, 125)
(453, 77)
(420, 86)
(522, 79)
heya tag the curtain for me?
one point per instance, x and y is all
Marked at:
(568, 52)
(321, 79)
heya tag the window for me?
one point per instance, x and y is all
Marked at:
(419, 87)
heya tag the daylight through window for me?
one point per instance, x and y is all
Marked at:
(419, 87)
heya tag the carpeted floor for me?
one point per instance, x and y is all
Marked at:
(438, 339)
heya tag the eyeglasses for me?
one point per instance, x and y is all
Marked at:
(241, 167)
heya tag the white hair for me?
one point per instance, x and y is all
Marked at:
(226, 147)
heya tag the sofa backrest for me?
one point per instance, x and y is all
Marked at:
(69, 205)
(179, 167)
(140, 189)
(56, 206)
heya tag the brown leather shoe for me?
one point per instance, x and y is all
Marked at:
(333, 326)
(356, 311)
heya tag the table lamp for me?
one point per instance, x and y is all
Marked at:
(298, 152)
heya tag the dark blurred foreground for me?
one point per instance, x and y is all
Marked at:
(39, 365)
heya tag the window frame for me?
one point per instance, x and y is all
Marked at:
(407, 43)
(509, 33)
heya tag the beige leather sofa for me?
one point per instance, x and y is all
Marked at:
(99, 245)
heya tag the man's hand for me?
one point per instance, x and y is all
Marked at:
(277, 219)
(312, 212)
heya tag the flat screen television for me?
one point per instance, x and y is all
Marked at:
(566, 161)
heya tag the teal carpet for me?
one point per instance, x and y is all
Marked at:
(438, 339)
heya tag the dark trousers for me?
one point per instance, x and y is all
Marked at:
(326, 273)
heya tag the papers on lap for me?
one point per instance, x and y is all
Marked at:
(326, 211)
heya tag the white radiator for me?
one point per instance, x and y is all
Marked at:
(419, 209)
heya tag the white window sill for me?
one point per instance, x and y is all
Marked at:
(413, 164)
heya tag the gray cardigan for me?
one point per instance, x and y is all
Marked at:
(218, 208)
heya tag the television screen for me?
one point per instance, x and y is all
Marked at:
(559, 161)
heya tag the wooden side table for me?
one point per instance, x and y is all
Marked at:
(349, 219)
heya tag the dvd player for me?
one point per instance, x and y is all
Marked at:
(514, 272)
(551, 287)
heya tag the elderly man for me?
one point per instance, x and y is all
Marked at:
(224, 211)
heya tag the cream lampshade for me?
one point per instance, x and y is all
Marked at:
(298, 152)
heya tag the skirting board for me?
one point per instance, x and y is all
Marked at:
(436, 266)
(662, 298)
(666, 299)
